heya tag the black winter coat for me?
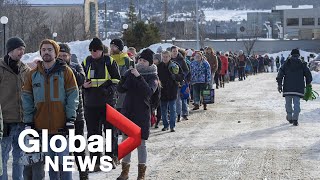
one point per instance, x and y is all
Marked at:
(182, 63)
(137, 102)
(107, 92)
(295, 75)
(168, 82)
(80, 77)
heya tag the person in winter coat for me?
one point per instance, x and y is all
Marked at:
(224, 69)
(50, 99)
(99, 89)
(169, 79)
(282, 60)
(266, 63)
(181, 104)
(242, 64)
(261, 63)
(77, 69)
(213, 61)
(292, 78)
(140, 84)
(277, 63)
(123, 61)
(231, 67)
(272, 63)
(255, 64)
(217, 74)
(12, 77)
(200, 78)
(157, 60)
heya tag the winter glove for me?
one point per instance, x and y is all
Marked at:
(69, 124)
(29, 125)
(280, 88)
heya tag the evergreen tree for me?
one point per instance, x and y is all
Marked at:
(132, 17)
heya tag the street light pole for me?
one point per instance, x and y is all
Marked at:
(217, 31)
(54, 35)
(197, 25)
(4, 21)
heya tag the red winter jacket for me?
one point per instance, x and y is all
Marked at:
(224, 65)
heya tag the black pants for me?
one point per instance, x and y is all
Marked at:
(216, 78)
(255, 70)
(158, 115)
(241, 73)
(96, 123)
(79, 127)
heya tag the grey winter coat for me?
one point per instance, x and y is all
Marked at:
(295, 75)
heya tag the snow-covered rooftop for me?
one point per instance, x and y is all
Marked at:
(227, 15)
(284, 7)
(50, 2)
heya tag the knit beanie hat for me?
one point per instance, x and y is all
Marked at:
(295, 52)
(118, 43)
(53, 43)
(64, 48)
(14, 43)
(147, 54)
(157, 56)
(96, 44)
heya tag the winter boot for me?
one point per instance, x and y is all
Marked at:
(178, 118)
(83, 175)
(196, 107)
(295, 122)
(290, 121)
(204, 106)
(141, 171)
(125, 171)
(185, 117)
(223, 84)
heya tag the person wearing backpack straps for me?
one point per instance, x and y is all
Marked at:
(99, 89)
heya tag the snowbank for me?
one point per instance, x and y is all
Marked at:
(304, 54)
(315, 77)
(80, 48)
(234, 15)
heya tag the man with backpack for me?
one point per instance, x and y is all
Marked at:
(99, 89)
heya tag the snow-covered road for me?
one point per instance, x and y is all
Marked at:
(243, 136)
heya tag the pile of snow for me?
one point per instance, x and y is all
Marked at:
(234, 15)
(315, 77)
(79, 48)
(304, 54)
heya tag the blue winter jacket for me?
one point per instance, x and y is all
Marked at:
(200, 72)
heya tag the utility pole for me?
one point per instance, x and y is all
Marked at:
(165, 19)
(197, 24)
(105, 19)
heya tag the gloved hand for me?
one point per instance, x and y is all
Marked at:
(280, 88)
(29, 125)
(69, 124)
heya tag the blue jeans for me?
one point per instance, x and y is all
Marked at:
(164, 113)
(34, 172)
(292, 113)
(184, 103)
(8, 143)
(197, 92)
(60, 175)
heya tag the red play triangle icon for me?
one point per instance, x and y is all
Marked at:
(126, 126)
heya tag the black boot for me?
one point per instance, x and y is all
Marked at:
(204, 106)
(83, 175)
(295, 122)
(178, 118)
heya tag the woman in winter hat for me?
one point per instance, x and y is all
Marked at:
(200, 78)
(139, 84)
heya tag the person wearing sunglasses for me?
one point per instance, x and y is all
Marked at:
(99, 89)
